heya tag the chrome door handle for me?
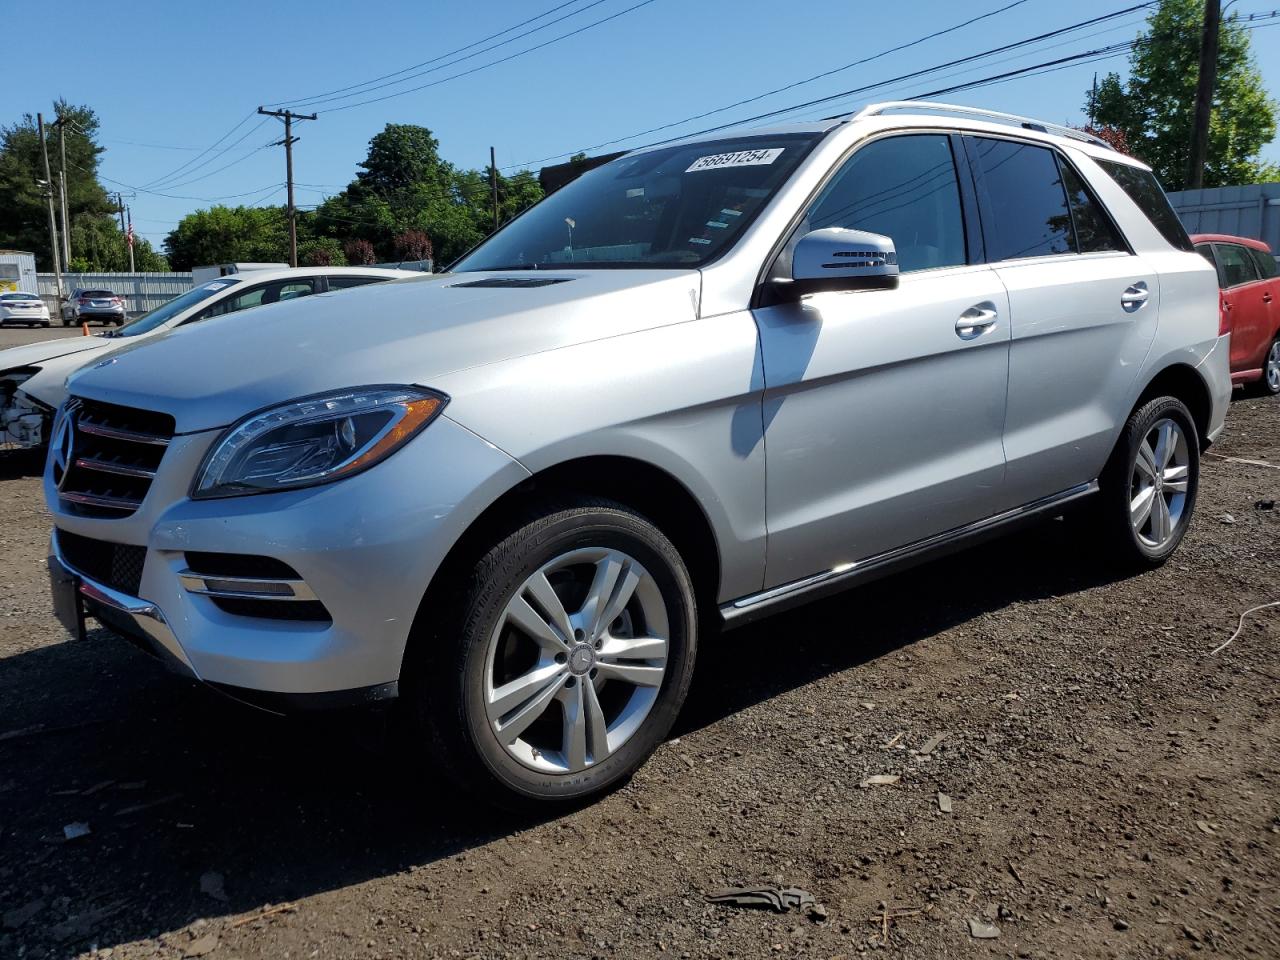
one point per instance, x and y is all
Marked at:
(1134, 296)
(974, 322)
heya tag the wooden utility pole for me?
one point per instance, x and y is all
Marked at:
(128, 238)
(1204, 95)
(48, 186)
(493, 185)
(61, 124)
(288, 117)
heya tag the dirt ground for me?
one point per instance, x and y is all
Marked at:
(1112, 787)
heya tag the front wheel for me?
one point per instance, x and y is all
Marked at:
(1150, 484)
(565, 661)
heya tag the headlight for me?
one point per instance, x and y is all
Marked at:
(315, 440)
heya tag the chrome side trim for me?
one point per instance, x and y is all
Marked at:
(846, 574)
(242, 588)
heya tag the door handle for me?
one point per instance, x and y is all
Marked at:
(1134, 296)
(1266, 298)
(975, 321)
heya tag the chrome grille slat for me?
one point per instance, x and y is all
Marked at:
(120, 469)
(105, 456)
(115, 433)
(102, 500)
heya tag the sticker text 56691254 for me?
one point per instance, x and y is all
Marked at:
(740, 158)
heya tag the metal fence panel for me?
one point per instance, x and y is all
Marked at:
(142, 292)
(1249, 211)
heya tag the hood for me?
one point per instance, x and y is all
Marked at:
(213, 373)
(32, 354)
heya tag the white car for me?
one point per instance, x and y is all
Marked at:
(33, 377)
(24, 308)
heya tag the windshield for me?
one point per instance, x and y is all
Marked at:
(163, 314)
(675, 207)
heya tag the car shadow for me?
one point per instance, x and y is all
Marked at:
(15, 464)
(176, 783)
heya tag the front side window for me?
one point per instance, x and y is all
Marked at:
(1026, 199)
(904, 188)
(679, 206)
(1144, 190)
(1235, 265)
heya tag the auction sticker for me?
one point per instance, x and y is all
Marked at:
(741, 158)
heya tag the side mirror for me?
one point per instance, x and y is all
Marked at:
(840, 259)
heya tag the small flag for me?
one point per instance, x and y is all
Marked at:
(129, 234)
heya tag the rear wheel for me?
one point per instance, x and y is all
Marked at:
(565, 661)
(1269, 385)
(1149, 486)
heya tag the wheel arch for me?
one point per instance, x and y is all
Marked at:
(1183, 381)
(647, 488)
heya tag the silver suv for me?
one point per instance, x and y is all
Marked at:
(699, 384)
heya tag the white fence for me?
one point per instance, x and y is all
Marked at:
(141, 291)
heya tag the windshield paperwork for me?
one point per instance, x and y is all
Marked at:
(680, 206)
(163, 314)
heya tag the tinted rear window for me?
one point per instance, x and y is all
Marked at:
(1027, 199)
(1144, 190)
(1267, 267)
(96, 294)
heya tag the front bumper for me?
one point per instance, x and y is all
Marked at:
(366, 546)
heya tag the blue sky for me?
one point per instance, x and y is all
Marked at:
(171, 75)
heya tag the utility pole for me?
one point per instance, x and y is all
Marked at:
(61, 124)
(493, 185)
(1093, 101)
(48, 186)
(128, 238)
(1204, 95)
(288, 117)
(124, 233)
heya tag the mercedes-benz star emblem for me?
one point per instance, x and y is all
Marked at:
(60, 448)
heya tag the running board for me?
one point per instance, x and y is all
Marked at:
(776, 599)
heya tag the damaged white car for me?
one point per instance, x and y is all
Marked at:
(33, 377)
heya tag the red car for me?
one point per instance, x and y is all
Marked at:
(1250, 304)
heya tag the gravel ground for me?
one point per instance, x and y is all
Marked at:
(1078, 778)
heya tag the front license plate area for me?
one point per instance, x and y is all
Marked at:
(68, 606)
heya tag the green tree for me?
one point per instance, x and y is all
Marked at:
(405, 185)
(227, 234)
(321, 252)
(24, 217)
(1154, 109)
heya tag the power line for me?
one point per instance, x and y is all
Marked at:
(181, 167)
(169, 181)
(882, 83)
(341, 92)
(494, 63)
(789, 86)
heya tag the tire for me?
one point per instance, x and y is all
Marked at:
(66, 322)
(1140, 538)
(45, 324)
(1269, 385)
(518, 748)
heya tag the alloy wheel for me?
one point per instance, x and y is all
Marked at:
(1273, 367)
(1158, 484)
(576, 660)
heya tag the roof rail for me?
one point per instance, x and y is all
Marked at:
(1027, 123)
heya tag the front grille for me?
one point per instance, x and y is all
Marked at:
(107, 467)
(117, 565)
